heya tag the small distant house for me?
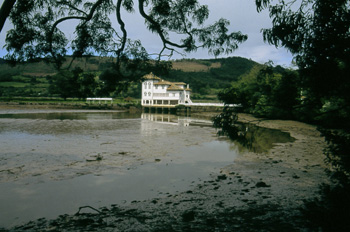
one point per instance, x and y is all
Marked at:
(156, 91)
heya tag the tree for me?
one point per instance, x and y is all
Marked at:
(37, 34)
(66, 83)
(75, 83)
(265, 91)
(317, 33)
(87, 85)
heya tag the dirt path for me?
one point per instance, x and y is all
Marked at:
(258, 192)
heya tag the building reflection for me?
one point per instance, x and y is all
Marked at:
(170, 119)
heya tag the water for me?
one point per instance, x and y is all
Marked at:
(53, 162)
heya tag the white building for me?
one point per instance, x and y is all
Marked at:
(158, 92)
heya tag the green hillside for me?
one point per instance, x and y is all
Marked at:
(219, 74)
(205, 77)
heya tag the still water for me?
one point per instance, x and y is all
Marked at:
(53, 162)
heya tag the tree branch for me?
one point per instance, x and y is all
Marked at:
(5, 10)
(157, 27)
(122, 28)
(72, 7)
(86, 19)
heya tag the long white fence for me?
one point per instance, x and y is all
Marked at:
(99, 99)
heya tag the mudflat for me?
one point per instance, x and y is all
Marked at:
(258, 192)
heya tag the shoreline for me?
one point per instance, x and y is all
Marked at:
(256, 192)
(64, 105)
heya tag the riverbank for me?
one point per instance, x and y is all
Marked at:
(65, 105)
(258, 192)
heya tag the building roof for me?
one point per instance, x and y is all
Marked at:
(179, 83)
(174, 87)
(150, 76)
(163, 82)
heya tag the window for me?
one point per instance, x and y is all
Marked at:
(162, 86)
(145, 85)
(156, 86)
(149, 93)
(149, 85)
(145, 94)
(174, 94)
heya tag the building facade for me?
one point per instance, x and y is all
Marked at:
(158, 92)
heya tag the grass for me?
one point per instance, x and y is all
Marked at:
(41, 85)
(14, 84)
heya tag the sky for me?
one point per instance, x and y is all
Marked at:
(241, 13)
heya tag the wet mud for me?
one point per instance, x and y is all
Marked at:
(257, 192)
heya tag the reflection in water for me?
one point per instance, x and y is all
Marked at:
(170, 119)
(250, 137)
(247, 136)
(173, 119)
(258, 139)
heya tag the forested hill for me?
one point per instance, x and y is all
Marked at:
(205, 77)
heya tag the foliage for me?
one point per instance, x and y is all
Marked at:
(87, 85)
(66, 84)
(77, 84)
(267, 92)
(317, 33)
(338, 154)
(7, 74)
(37, 32)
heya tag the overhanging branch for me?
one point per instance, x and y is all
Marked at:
(86, 19)
(122, 28)
(5, 10)
(157, 27)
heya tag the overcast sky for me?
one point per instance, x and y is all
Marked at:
(243, 17)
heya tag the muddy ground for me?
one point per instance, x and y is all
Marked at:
(258, 192)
